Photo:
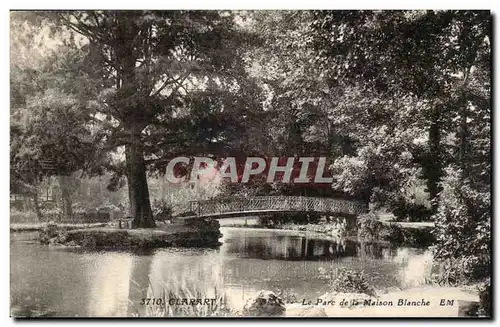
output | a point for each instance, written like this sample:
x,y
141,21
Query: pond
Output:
x,y
56,281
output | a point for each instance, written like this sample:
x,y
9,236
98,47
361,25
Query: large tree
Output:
x,y
161,83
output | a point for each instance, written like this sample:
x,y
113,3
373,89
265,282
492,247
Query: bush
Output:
x,y
296,218
485,298
462,231
50,233
416,237
187,214
17,216
460,271
162,210
287,295
265,304
344,280
409,211
369,227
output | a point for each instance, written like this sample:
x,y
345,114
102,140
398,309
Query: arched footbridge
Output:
x,y
262,205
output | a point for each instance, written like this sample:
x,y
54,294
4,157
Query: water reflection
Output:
x,y
282,246
109,279
65,282
415,268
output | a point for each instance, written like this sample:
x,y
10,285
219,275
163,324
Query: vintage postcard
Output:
x,y
250,163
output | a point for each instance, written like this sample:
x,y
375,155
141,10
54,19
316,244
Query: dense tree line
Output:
x,y
427,72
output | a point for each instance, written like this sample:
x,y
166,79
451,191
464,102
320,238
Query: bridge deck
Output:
x,y
231,207
247,213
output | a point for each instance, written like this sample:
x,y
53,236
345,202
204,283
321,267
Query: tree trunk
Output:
x,y
135,119
140,207
463,146
162,189
463,137
434,169
26,203
66,197
37,207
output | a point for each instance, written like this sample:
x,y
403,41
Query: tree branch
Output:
x,y
164,85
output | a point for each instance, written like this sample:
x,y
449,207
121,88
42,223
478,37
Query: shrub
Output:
x,y
409,211
485,298
279,219
162,210
187,214
416,237
344,280
463,231
265,304
287,295
17,216
50,233
369,227
460,271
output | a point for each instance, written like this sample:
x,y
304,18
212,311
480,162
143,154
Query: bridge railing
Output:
x,y
277,204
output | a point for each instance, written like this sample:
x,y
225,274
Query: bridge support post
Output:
x,y
303,247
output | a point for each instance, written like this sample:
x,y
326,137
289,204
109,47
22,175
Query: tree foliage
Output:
x,y
157,83
438,62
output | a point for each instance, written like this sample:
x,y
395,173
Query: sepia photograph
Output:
x,y
250,163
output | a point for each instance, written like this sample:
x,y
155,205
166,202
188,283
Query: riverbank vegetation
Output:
x,y
30,227
197,234
347,281
369,227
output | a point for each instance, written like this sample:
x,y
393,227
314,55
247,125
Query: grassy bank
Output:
x,y
32,227
178,235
